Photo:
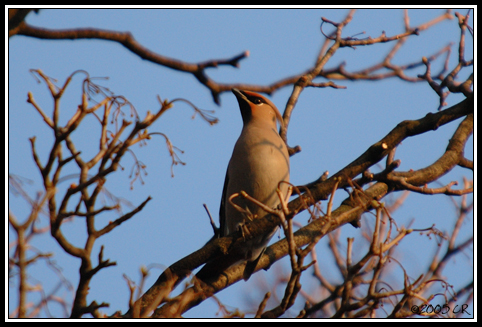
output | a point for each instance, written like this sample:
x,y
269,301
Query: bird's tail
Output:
x,y
251,266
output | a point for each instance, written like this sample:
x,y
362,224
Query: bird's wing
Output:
x,y
222,207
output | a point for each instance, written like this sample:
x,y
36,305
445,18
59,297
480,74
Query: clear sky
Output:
x,y
332,126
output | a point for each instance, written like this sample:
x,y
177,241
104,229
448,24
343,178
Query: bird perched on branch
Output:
x,y
259,166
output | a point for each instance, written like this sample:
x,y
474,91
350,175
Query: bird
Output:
x,y
259,165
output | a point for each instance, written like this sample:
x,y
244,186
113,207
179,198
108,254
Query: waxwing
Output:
x,y
259,162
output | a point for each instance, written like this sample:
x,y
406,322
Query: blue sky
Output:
x,y
332,126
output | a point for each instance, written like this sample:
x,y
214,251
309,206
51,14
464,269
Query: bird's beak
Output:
x,y
239,94
244,104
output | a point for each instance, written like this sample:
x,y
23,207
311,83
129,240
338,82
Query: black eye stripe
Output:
x,y
256,100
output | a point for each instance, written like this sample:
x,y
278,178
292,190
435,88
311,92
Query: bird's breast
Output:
x,y
260,161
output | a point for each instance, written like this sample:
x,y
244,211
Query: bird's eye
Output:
x,y
257,101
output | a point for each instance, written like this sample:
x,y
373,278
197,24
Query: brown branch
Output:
x,y
307,79
453,154
262,305
122,219
351,42
128,41
22,246
449,80
15,17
